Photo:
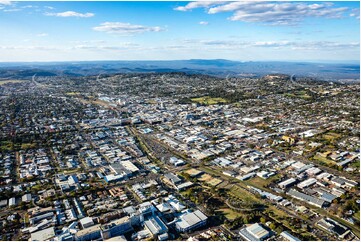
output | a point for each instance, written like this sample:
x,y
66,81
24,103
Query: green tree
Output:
x,y
263,220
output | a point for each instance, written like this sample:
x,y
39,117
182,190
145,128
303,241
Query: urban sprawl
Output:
x,y
179,157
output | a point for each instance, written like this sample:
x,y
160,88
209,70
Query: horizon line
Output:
x,y
165,60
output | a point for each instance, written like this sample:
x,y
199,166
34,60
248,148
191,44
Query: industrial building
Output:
x,y
307,198
287,183
289,237
254,232
190,221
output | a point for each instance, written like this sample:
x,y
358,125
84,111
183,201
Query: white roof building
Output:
x,y
86,222
254,232
43,235
190,221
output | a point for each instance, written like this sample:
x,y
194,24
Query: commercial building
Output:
x,y
26,197
86,222
254,232
12,201
43,235
190,221
333,227
307,198
116,227
91,233
155,226
307,183
289,237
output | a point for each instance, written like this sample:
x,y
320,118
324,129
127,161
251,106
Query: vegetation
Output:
x,y
206,100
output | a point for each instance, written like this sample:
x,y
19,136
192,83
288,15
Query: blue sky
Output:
x,y
245,31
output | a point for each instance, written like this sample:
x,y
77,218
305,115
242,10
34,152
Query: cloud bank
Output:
x,y
272,13
125,28
71,14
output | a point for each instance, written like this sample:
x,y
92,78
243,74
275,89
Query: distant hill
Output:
x,y
216,67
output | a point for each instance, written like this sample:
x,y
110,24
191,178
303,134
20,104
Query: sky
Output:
x,y
243,31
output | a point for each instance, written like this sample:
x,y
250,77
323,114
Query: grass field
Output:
x,y
193,172
260,182
72,93
214,182
224,184
324,160
28,146
210,180
331,136
229,213
243,195
301,94
205,177
356,164
209,100
2,82
6,146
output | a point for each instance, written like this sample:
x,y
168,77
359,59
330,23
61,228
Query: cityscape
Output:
x,y
137,142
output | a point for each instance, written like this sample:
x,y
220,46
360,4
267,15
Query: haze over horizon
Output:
x,y
242,31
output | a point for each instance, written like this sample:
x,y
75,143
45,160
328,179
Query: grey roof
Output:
x,y
26,197
289,236
44,234
258,231
328,197
129,210
175,179
155,225
194,218
307,198
200,215
247,235
3,203
338,180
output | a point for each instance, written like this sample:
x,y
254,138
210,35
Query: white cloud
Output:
x,y
294,45
125,28
87,42
29,6
12,10
71,14
80,47
42,35
274,13
29,47
123,46
200,4
355,13
203,23
5,2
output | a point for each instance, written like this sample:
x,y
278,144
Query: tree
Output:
x,y
272,226
263,220
245,220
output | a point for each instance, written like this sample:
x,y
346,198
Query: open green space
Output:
x,y
260,182
324,160
331,136
3,82
356,164
229,213
72,93
243,195
210,180
209,100
300,94
6,146
25,146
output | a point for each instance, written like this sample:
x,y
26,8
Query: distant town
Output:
x,y
179,156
